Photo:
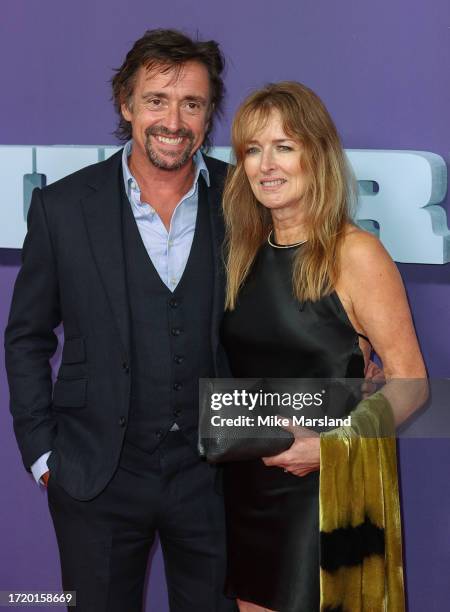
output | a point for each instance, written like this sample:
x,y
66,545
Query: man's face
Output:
x,y
169,113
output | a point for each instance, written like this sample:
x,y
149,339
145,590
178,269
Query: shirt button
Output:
x,y
176,331
177,386
173,303
178,359
122,421
133,185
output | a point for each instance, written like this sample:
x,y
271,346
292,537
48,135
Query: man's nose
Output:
x,y
173,118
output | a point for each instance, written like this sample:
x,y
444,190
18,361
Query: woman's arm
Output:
x,y
372,292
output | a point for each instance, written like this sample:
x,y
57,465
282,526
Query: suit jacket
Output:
x,y
73,271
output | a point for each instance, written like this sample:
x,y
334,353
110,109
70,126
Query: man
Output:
x,y
126,253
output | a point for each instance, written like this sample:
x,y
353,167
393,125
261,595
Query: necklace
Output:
x,y
283,246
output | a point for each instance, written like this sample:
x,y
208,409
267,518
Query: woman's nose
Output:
x,y
267,161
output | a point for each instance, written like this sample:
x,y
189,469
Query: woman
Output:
x,y
308,295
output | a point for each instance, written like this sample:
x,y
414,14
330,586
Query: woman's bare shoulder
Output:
x,y
362,250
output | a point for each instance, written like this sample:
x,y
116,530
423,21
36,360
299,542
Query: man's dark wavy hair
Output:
x,y
169,49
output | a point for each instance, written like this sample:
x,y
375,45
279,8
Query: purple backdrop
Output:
x,y
381,68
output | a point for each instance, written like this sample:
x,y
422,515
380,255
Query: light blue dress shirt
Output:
x,y
168,250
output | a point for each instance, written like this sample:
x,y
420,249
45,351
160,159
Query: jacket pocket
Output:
x,y
73,351
70,393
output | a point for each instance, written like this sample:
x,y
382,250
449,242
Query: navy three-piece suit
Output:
x,y
132,356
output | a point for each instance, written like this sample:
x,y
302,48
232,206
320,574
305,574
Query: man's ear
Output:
x,y
208,117
126,111
210,114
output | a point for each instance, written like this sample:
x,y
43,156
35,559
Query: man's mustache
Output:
x,y
161,130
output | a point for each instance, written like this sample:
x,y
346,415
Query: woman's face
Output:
x,y
272,163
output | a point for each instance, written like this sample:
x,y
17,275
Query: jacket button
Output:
x,y
177,386
158,433
178,359
126,367
174,303
176,331
122,421
177,412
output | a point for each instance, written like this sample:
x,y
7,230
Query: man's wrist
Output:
x,y
45,477
40,467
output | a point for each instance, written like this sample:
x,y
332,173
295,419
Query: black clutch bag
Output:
x,y
222,448
246,438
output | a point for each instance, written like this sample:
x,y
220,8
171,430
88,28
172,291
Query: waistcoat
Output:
x,y
170,334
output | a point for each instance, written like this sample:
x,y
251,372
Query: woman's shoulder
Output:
x,y
361,247
363,256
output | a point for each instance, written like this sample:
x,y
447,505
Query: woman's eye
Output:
x,y
251,150
284,148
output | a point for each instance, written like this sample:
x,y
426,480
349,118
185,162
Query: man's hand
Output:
x,y
374,373
302,457
373,378
45,478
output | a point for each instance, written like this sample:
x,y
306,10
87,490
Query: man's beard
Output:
x,y
180,158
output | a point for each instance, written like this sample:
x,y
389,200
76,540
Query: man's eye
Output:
x,y
193,106
155,102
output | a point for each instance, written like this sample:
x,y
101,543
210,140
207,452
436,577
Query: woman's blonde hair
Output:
x,y
325,202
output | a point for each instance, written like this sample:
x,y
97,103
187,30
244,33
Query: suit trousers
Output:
x,y
104,543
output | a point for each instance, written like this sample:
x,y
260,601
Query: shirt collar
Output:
x,y
199,163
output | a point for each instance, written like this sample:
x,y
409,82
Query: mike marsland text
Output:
x,y
278,421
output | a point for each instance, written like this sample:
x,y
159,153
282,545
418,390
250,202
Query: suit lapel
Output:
x,y
214,198
102,209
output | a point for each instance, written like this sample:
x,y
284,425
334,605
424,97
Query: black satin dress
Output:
x,y
273,516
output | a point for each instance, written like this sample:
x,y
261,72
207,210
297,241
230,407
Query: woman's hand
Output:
x,y
302,457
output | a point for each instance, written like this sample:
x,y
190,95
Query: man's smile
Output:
x,y
169,140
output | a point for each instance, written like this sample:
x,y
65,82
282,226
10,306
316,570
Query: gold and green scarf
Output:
x,y
360,530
